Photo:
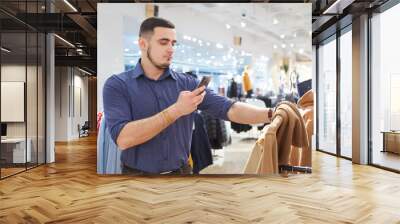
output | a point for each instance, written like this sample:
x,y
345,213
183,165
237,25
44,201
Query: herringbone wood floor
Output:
x,y
70,191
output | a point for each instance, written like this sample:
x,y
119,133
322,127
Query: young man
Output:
x,y
149,110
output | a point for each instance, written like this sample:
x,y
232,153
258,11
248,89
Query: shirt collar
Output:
x,y
138,71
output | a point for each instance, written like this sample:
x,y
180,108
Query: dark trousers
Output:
x,y
185,169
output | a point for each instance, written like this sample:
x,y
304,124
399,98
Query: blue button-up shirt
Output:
x,y
131,96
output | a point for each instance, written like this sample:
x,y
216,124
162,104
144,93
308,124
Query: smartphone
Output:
x,y
204,81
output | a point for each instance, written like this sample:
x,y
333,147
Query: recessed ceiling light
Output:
x,y
292,45
220,46
126,49
283,45
282,36
301,50
275,47
275,21
227,26
71,6
5,50
208,43
243,24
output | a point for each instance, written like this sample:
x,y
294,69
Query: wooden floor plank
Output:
x,y
70,191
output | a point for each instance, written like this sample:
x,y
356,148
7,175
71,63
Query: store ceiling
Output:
x,y
281,27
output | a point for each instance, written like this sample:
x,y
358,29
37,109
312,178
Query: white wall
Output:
x,y
68,81
109,26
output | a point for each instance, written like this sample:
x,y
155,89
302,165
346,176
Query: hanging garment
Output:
x,y
200,149
306,105
108,154
232,91
216,131
285,134
240,127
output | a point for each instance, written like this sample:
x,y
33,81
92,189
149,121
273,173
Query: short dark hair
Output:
x,y
149,24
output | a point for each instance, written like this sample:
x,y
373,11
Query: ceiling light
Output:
x,y
282,36
5,50
208,43
294,35
283,45
337,7
212,57
183,51
227,26
86,72
198,55
194,39
126,49
188,38
301,50
275,21
275,47
292,45
70,5
243,24
220,46
65,41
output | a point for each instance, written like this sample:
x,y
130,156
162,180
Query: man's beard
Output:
x,y
159,66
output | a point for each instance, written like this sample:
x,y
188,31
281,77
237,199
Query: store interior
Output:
x,y
247,61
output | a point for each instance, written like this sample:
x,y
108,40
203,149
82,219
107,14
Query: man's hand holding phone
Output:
x,y
189,100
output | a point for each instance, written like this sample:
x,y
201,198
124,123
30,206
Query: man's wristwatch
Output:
x,y
270,113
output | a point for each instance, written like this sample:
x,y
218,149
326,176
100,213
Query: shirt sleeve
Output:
x,y
117,111
214,104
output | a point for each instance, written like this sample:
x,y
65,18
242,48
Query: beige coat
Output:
x,y
306,105
285,133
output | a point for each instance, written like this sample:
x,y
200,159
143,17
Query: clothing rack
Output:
x,y
302,169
